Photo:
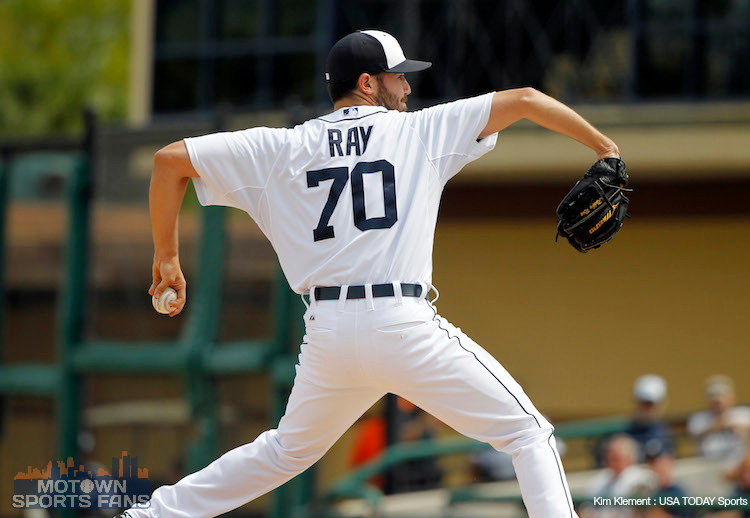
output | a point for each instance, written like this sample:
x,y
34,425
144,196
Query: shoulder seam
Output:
x,y
426,151
278,157
264,195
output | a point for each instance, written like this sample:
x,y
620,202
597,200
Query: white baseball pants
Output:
x,y
354,352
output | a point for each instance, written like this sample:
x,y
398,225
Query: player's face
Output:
x,y
393,89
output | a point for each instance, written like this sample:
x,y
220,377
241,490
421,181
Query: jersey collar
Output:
x,y
352,113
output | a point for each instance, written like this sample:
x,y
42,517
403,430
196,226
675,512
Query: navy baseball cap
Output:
x,y
368,51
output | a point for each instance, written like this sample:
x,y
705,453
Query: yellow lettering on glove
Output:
x,y
604,219
591,207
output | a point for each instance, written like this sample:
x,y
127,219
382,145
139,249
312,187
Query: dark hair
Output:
x,y
341,89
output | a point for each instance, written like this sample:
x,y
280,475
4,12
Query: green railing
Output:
x,y
354,484
192,355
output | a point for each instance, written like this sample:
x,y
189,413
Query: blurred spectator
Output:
x,y
660,460
416,425
413,424
647,427
649,394
722,430
369,442
490,465
622,477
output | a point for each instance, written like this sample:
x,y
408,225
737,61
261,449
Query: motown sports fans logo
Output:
x,y
61,486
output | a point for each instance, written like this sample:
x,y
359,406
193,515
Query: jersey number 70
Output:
x,y
340,175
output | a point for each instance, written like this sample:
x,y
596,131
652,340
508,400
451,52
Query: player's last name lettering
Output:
x,y
356,141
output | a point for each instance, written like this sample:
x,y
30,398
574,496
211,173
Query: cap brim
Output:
x,y
410,65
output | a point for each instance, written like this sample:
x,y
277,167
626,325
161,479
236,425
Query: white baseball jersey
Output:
x,y
348,198
352,198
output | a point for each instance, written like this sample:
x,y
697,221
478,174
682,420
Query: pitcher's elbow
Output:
x,y
164,156
174,159
527,96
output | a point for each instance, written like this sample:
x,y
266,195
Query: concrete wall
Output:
x,y
666,296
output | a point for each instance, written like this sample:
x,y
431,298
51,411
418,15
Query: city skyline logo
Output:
x,y
61,486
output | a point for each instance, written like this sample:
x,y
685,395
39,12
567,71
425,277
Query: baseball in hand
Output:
x,y
161,304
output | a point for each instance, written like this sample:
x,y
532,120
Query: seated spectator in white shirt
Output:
x,y
721,431
621,478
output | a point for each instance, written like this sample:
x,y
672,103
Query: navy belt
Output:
x,y
358,292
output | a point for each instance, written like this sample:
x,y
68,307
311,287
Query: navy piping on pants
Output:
x,y
559,468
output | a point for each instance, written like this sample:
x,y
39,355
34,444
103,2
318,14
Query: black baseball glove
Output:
x,y
594,209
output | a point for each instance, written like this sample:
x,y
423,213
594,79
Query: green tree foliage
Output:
x,y
56,58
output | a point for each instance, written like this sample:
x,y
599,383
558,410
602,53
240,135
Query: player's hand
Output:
x,y
168,274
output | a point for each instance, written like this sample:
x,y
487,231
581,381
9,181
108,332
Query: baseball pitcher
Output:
x,y
349,202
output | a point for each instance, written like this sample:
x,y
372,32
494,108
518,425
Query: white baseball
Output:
x,y
162,304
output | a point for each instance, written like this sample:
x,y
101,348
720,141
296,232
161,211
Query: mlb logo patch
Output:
x,y
350,111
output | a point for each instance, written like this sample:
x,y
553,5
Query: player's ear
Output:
x,y
366,84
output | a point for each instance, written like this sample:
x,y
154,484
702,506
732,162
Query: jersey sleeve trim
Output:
x,y
478,150
487,142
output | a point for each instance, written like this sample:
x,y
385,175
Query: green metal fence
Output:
x,y
354,484
192,355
